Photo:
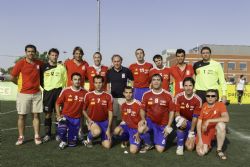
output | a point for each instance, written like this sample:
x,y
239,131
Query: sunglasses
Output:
x,y
211,96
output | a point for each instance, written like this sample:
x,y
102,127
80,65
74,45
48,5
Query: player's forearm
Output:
x,y
221,119
110,119
142,114
58,112
171,118
194,123
199,129
85,115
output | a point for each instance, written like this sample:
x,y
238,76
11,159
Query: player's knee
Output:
x,y
133,150
118,130
106,144
142,129
189,147
21,117
95,132
160,149
36,116
221,127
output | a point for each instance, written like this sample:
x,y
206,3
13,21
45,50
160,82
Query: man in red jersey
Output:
x,y
131,115
140,71
26,74
77,64
162,70
98,111
159,107
72,100
180,71
97,69
212,123
188,106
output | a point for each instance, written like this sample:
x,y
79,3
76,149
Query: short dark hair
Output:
x,y
75,74
97,53
141,50
30,46
78,48
53,50
206,48
188,79
179,51
156,75
241,76
157,57
128,87
98,77
116,55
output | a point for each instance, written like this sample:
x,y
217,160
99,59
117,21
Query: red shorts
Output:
x,y
208,136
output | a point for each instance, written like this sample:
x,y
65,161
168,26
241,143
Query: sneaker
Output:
x,y
124,144
20,140
58,139
80,136
62,145
146,148
179,150
38,140
87,143
46,138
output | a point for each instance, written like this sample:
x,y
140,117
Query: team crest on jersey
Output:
x,y
163,102
133,113
104,102
69,99
150,102
165,76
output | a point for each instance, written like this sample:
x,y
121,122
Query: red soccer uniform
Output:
x,y
28,76
91,72
98,105
179,76
165,73
72,102
141,74
158,106
188,107
131,113
72,67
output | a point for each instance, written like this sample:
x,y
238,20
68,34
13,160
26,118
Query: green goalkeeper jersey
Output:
x,y
209,76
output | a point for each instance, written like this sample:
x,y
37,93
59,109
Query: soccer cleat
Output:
x,y
124,144
62,145
58,139
46,138
146,148
20,140
87,143
38,140
179,150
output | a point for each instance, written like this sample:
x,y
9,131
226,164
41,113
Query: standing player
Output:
x,y
159,107
131,115
97,69
98,111
240,88
162,70
180,71
209,75
140,71
53,79
72,100
212,122
77,64
188,106
29,98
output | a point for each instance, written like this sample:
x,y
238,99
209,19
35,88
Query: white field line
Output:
x,y
239,134
3,113
30,126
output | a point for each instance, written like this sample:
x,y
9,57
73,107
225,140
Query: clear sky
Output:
x,y
125,25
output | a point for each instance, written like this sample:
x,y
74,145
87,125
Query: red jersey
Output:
x,y
131,113
98,105
72,102
141,74
158,105
72,67
165,73
28,76
179,76
212,112
91,72
188,107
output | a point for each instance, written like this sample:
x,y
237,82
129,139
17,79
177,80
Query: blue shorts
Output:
x,y
157,131
130,132
104,126
138,93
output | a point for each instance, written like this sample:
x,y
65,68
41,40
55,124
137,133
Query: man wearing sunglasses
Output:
x,y
211,125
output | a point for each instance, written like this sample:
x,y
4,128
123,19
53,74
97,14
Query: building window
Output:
x,y
231,66
243,66
222,64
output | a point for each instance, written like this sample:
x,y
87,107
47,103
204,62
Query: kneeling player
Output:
x,y
212,123
98,111
131,111
159,107
188,107
72,100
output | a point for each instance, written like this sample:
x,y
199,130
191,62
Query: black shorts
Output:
x,y
49,99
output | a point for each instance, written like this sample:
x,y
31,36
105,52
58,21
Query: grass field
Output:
x,y
48,155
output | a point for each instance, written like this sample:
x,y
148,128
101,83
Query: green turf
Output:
x,y
48,155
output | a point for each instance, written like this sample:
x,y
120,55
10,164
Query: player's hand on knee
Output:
x,y
89,123
167,130
137,138
180,122
190,142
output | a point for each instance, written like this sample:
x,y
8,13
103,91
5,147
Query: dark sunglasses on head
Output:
x,y
210,95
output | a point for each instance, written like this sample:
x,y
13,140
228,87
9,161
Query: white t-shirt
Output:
x,y
241,84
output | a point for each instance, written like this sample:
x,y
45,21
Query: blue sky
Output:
x,y
125,25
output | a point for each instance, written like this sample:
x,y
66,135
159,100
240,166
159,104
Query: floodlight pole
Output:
x,y
98,25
